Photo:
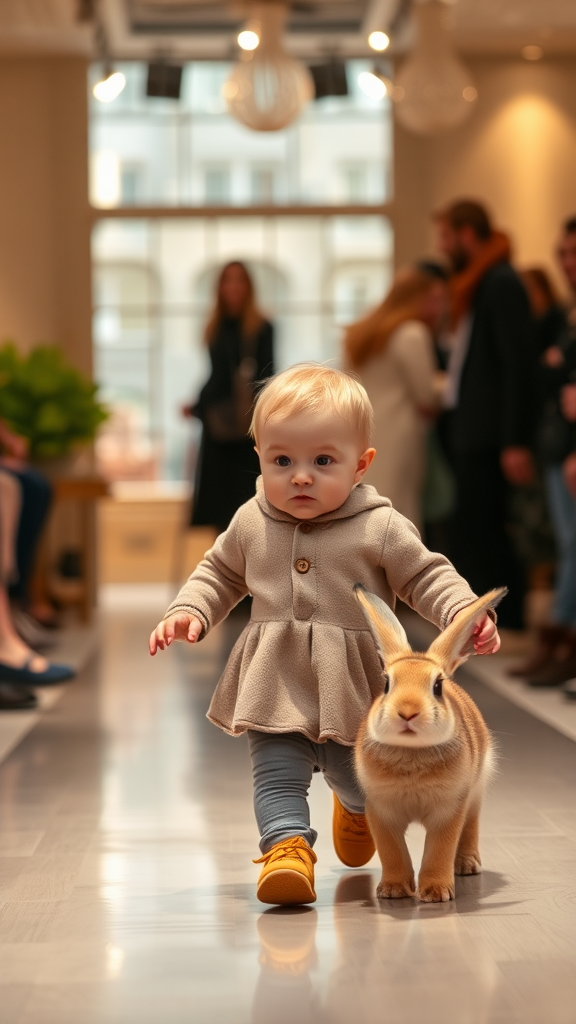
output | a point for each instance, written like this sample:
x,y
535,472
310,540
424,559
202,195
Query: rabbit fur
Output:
x,y
424,753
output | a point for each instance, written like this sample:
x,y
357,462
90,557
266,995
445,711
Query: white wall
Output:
x,y
517,153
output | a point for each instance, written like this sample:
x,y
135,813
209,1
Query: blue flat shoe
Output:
x,y
24,676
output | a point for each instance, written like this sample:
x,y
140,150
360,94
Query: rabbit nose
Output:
x,y
408,718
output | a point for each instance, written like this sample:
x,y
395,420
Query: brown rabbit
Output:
x,y
424,754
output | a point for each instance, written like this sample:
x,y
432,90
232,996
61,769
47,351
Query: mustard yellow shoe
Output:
x,y
287,877
352,837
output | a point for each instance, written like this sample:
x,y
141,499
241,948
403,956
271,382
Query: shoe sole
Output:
x,y
285,888
350,863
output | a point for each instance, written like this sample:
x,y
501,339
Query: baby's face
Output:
x,y
310,463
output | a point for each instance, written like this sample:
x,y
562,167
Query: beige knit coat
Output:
x,y
306,662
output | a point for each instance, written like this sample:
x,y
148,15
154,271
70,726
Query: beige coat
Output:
x,y
306,662
400,382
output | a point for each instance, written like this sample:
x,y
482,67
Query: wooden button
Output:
x,y
306,528
302,565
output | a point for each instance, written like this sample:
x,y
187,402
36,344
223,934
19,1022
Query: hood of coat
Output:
x,y
361,499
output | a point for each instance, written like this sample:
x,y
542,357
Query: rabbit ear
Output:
x,y
454,646
389,633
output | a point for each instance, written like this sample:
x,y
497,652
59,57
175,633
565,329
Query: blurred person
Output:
x,y
36,497
20,667
561,480
553,660
392,351
240,344
490,398
548,312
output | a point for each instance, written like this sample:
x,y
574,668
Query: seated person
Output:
x,y
20,667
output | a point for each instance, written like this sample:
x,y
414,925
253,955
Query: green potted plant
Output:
x,y
47,401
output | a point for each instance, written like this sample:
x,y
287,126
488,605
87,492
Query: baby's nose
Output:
x,y
302,476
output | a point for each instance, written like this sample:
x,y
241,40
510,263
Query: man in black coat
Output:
x,y
491,399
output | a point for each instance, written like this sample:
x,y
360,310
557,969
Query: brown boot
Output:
x,y
549,639
561,667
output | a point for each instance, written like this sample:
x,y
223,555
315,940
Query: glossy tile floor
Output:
x,y
127,888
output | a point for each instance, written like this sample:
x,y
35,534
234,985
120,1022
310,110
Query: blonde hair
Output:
x,y
251,317
311,387
368,337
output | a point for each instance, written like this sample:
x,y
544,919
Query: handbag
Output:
x,y
229,419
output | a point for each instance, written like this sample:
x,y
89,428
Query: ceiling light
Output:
x,y
248,39
437,90
532,52
379,41
110,86
373,85
267,88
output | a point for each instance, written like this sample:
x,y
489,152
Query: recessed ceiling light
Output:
x,y
379,41
532,52
248,40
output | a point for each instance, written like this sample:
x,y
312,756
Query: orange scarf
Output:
x,y
463,286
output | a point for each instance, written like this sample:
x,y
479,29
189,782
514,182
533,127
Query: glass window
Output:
x,y
190,152
131,184
153,287
217,185
263,185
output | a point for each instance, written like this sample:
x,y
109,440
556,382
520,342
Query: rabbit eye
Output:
x,y
386,684
437,688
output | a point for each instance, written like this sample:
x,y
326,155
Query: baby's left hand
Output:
x,y
485,636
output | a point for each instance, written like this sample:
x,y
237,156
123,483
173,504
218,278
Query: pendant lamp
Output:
x,y
433,89
267,88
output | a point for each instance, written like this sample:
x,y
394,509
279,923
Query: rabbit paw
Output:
x,y
436,892
467,864
395,890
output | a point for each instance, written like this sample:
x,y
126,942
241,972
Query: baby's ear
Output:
x,y
388,631
364,463
451,647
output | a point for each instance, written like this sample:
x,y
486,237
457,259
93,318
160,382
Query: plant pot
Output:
x,y
77,463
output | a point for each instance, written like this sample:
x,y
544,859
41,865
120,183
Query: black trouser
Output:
x,y
36,497
480,546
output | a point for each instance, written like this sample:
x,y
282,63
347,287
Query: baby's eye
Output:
x,y
282,460
324,460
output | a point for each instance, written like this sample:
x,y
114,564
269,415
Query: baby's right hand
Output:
x,y
178,626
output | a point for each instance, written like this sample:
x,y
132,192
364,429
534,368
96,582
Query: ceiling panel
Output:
x,y
337,16
186,29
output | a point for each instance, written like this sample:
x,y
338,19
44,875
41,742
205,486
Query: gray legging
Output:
x,y
282,768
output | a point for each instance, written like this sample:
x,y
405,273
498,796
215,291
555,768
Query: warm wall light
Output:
x,y
379,41
248,39
110,86
532,52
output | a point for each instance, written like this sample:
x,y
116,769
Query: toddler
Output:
x,y
306,669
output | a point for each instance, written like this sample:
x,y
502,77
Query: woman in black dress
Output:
x,y
240,343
